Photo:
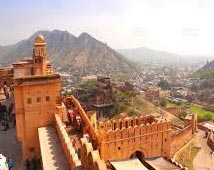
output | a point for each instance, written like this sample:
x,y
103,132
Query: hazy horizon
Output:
x,y
180,27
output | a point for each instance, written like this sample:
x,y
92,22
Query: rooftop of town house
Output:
x,y
208,125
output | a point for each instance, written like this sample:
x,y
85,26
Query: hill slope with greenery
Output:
x,y
206,72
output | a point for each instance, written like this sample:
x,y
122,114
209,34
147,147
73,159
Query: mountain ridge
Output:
x,y
82,55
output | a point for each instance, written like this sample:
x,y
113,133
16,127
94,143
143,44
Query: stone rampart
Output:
x,y
125,123
90,158
79,110
67,146
181,138
173,110
151,140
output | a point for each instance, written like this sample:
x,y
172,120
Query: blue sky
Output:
x,y
179,26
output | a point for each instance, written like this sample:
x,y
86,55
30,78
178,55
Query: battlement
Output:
x,y
126,122
135,132
90,158
150,139
67,146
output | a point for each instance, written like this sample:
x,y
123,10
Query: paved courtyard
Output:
x,y
11,148
9,145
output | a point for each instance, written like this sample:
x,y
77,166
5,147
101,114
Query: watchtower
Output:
x,y
39,56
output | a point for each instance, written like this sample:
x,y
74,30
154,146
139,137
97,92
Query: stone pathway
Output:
x,y
203,160
53,156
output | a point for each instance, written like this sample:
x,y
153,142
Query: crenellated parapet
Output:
x,y
90,158
151,140
127,137
67,146
126,122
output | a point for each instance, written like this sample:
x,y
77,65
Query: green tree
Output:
x,y
163,84
88,84
163,102
84,97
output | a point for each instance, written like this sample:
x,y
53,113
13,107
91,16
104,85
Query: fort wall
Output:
x,y
90,158
126,122
126,137
173,110
79,110
67,146
180,138
151,140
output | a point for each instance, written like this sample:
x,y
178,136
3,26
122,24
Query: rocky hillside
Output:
x,y
206,72
83,55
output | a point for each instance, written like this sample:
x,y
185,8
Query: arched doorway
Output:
x,y
138,154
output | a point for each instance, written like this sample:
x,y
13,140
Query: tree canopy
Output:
x,y
163,84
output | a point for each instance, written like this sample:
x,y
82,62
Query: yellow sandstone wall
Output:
x,y
80,111
35,107
67,146
152,140
91,158
180,138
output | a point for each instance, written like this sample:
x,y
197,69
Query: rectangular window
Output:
x,y
47,98
29,100
38,99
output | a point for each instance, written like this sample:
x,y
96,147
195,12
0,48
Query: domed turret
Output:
x,y
40,40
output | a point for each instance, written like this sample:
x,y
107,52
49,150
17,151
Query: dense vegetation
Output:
x,y
203,115
136,106
162,102
205,74
163,84
87,86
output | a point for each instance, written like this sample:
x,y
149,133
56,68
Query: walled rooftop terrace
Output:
x,y
37,78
